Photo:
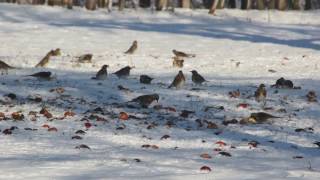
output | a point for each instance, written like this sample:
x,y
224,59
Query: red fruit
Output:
x,y
242,105
87,125
221,143
46,126
123,116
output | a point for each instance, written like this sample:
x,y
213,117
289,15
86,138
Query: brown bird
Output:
x,y
146,100
144,79
182,54
44,62
177,62
178,81
283,83
44,75
86,58
261,117
4,67
56,52
261,93
197,78
124,72
102,73
133,48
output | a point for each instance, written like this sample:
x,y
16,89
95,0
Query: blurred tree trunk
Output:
x,y
162,4
109,4
271,4
246,4
260,4
55,2
221,4
297,4
282,5
186,4
121,4
213,7
91,4
101,3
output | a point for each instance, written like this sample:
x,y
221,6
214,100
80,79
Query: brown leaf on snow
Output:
x,y
17,116
253,144
53,129
46,126
221,143
7,132
76,137
223,153
205,156
186,113
165,137
205,168
297,157
82,146
46,113
80,132
234,94
69,113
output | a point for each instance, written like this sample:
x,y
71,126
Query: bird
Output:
x,y
317,143
182,54
4,67
177,62
197,78
283,83
56,52
133,48
43,75
44,61
86,58
261,117
144,79
124,72
145,100
102,73
261,93
178,81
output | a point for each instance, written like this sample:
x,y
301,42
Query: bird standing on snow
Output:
x,y
124,72
261,93
102,73
4,67
133,48
261,117
146,100
44,75
182,54
86,58
178,81
197,78
144,79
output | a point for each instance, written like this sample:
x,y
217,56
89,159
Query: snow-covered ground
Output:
x,y
234,50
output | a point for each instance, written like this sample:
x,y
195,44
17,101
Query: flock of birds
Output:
x,y
178,81
144,100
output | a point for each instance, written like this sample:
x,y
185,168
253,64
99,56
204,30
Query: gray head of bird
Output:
x,y
262,86
156,97
105,66
194,72
174,51
180,72
135,42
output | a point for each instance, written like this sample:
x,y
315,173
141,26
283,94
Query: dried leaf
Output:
x,y
205,168
46,126
221,143
165,137
69,113
76,137
82,146
7,132
223,153
80,132
53,129
17,116
205,156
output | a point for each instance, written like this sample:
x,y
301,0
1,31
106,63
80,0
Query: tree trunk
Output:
x,y
91,4
109,5
272,4
297,4
282,5
162,4
260,4
121,4
213,6
101,3
221,4
186,4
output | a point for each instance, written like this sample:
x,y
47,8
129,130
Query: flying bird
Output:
x,y
124,72
182,54
133,48
178,81
102,73
197,78
144,79
145,100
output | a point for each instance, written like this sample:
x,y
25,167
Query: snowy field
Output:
x,y
234,50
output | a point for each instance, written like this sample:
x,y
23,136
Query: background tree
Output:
x,y
91,4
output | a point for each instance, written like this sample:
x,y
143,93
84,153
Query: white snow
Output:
x,y
289,43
